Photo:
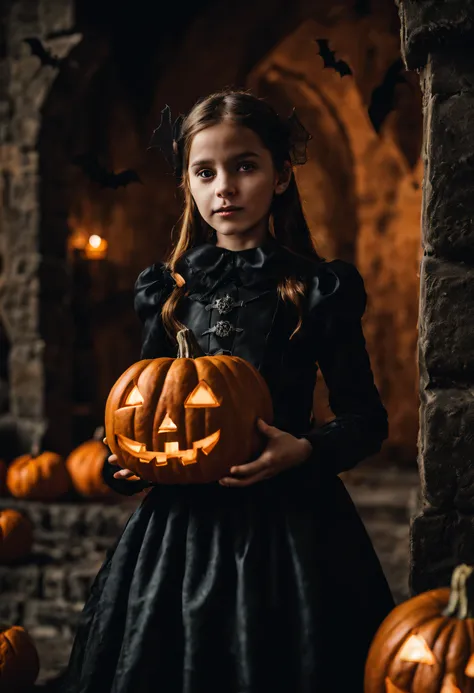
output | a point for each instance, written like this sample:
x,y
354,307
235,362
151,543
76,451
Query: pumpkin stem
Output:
x,y
188,346
35,448
459,605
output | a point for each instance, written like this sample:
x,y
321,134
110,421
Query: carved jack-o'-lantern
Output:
x,y
426,643
189,419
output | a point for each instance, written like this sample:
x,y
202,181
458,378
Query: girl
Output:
x,y
265,582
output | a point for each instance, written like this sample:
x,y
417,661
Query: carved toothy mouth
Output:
x,y
172,450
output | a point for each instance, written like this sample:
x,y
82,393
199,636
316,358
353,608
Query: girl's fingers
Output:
x,y
112,459
248,481
123,474
261,464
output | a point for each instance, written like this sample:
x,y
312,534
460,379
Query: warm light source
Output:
x,y
96,247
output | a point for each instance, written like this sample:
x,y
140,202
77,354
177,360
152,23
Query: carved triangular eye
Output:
x,y
134,398
415,649
201,396
391,688
469,670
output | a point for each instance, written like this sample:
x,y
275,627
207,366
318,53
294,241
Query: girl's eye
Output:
x,y
204,171
247,166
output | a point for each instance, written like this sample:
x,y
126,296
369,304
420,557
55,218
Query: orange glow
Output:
x,y
134,398
96,247
167,425
449,684
469,670
202,396
415,649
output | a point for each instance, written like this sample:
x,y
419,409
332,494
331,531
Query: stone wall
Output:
x,y
437,40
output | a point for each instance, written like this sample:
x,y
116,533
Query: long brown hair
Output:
x,y
287,221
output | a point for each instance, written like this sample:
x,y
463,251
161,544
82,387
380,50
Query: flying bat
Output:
x,y
45,56
90,166
383,97
329,58
164,137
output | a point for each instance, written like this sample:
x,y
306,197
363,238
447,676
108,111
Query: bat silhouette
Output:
x,y
383,97
165,136
90,166
329,58
42,53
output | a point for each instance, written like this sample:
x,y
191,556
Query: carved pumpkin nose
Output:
x,y
167,425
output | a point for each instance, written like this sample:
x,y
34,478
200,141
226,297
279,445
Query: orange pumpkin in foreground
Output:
x,y
426,644
189,419
19,661
38,477
16,536
85,465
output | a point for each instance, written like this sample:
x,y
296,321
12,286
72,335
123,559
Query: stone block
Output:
x,y
51,613
447,449
21,580
11,609
446,338
54,581
429,26
80,579
449,73
439,543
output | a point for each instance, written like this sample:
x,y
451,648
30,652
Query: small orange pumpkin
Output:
x,y
19,661
16,536
187,420
85,465
426,643
38,476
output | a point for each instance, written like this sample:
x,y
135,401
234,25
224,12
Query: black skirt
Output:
x,y
274,588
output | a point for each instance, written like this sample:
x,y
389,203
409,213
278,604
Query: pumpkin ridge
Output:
x,y
381,637
439,645
234,393
390,665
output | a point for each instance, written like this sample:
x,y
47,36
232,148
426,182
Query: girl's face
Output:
x,y
233,180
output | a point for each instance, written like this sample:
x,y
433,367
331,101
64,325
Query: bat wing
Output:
x,y
343,68
124,178
383,97
40,51
162,137
326,53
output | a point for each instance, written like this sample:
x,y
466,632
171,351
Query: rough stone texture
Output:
x,y
46,592
431,26
434,36
35,343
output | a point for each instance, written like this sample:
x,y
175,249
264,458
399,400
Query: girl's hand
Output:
x,y
122,473
282,452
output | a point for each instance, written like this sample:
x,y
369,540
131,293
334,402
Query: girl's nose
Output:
x,y
225,186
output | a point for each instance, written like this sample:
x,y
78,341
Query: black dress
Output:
x,y
272,588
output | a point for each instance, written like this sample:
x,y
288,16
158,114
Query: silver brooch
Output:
x,y
223,328
224,304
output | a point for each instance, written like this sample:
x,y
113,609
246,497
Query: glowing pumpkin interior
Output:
x,y
415,649
202,397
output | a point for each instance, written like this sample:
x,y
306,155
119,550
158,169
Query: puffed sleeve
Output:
x,y
360,425
152,288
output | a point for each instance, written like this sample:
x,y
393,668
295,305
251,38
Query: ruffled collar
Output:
x,y
206,267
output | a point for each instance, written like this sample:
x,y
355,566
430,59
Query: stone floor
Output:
x,y
46,593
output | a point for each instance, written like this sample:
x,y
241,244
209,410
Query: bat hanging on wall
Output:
x,y
329,58
45,56
93,169
382,101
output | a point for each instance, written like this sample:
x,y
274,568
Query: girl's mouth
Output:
x,y
228,212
